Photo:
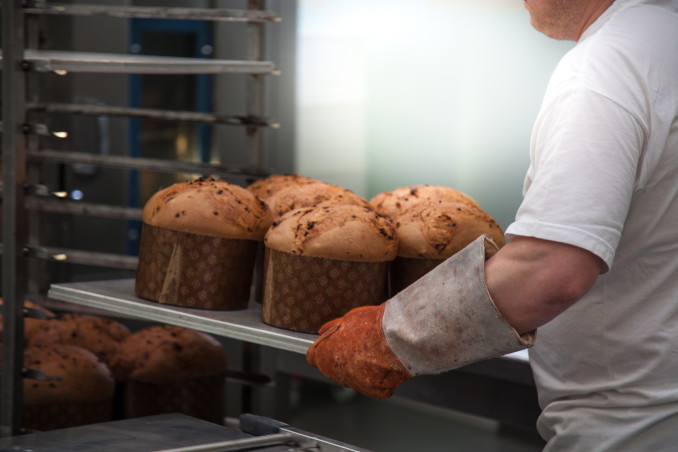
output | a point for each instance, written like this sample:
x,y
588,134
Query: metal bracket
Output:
x,y
35,374
33,313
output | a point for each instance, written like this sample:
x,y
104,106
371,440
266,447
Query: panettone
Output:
x,y
431,233
312,194
198,244
323,261
209,207
171,369
79,389
395,202
168,354
99,335
267,187
440,230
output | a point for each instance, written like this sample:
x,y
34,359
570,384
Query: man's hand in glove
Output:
x,y
444,320
352,351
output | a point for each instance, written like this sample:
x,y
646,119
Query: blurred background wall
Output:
x,y
393,93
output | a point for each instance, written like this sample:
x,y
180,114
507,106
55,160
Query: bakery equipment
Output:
x,y
28,195
36,85
177,433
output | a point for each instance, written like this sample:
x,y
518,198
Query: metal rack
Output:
x,y
23,194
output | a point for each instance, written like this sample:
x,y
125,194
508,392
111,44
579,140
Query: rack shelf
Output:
x,y
213,14
118,296
110,63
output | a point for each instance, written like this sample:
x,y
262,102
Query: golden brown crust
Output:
x,y
84,379
440,230
209,207
99,335
398,201
265,188
312,194
168,354
349,233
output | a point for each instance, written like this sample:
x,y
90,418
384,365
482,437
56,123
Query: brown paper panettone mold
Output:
x,y
198,244
404,271
322,262
301,293
192,270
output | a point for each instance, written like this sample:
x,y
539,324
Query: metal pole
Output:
x,y
255,84
13,218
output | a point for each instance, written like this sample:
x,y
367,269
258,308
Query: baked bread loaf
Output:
x,y
209,207
99,335
198,245
339,232
165,369
322,262
431,233
265,188
439,230
312,194
393,203
80,389
168,354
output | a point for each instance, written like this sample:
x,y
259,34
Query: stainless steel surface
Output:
x,y
230,15
73,256
148,434
118,296
238,444
319,443
139,163
148,113
82,208
57,61
255,83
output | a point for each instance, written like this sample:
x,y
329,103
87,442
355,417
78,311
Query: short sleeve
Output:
x,y
585,153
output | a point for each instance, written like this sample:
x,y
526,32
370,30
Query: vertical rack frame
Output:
x,y
22,160
14,271
255,85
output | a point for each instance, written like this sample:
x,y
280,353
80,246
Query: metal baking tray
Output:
x,y
118,296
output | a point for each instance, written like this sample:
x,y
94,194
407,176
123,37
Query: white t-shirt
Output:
x,y
604,177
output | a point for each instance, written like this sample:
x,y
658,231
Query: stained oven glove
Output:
x,y
444,320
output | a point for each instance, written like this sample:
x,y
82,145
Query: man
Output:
x,y
593,256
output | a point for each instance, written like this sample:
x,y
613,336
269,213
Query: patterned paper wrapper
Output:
x,y
193,270
64,415
404,271
202,398
301,293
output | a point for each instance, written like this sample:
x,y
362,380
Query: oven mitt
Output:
x,y
444,320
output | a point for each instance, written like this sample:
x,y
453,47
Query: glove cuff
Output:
x,y
447,319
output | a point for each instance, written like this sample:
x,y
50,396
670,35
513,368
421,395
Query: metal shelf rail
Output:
x,y
21,155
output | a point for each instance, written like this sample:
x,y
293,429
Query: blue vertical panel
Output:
x,y
146,39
